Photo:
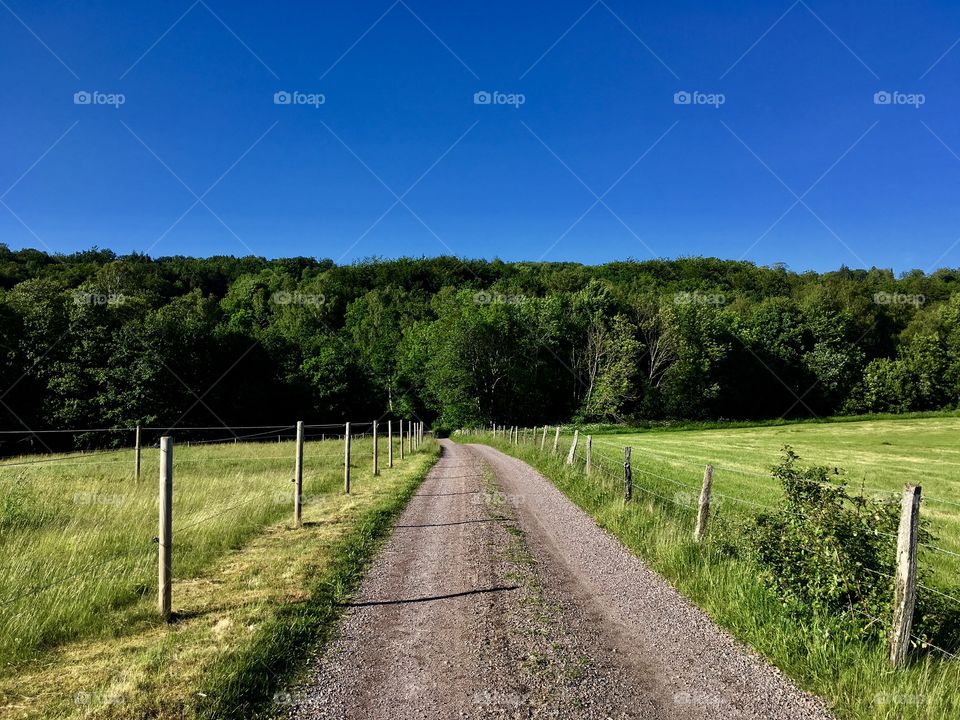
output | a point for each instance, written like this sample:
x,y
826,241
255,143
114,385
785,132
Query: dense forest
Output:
x,y
96,340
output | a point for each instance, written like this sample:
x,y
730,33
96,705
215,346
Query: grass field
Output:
x,y
79,630
852,674
877,456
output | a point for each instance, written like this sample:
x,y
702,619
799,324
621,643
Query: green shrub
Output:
x,y
829,553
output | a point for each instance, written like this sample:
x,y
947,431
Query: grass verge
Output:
x,y
243,624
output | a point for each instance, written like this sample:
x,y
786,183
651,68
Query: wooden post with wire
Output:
x,y
136,455
556,441
376,451
389,443
401,439
543,441
627,476
298,477
589,468
346,459
905,585
703,507
573,447
165,536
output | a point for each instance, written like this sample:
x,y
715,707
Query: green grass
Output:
x,y
878,457
250,593
850,673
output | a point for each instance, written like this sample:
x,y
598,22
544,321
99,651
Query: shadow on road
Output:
x,y
430,598
462,522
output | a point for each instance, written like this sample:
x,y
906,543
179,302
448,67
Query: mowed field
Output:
x,y
79,628
876,456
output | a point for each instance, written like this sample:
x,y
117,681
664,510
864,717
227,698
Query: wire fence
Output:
x,y
80,529
669,479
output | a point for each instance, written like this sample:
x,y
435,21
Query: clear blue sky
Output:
x,y
877,183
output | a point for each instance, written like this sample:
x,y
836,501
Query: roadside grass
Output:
x,y
251,595
822,656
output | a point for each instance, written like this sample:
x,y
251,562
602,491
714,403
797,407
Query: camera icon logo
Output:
x,y
282,97
682,98
882,97
82,97
482,98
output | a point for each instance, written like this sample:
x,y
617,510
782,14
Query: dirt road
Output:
x,y
496,597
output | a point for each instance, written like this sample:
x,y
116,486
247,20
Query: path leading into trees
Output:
x,y
497,597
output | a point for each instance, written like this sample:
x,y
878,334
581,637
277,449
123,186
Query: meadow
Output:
x,y
877,457
851,673
79,630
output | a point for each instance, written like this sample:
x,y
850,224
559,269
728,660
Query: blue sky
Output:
x,y
783,156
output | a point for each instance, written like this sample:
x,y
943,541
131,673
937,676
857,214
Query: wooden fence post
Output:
x,y
589,454
556,441
401,439
346,460
389,443
703,509
136,456
905,587
543,441
376,451
298,477
627,476
165,538
573,447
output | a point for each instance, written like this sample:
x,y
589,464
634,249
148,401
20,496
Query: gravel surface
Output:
x,y
496,597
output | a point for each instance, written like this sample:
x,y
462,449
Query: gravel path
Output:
x,y
496,597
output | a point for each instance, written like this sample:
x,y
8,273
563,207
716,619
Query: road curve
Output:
x,y
497,597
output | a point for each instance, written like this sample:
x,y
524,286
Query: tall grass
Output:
x,y
77,549
852,674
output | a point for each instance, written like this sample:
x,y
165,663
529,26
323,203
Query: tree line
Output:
x,y
93,339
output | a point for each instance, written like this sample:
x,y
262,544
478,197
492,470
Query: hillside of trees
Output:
x,y
94,339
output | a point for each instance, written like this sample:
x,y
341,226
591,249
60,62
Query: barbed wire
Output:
x,y
939,549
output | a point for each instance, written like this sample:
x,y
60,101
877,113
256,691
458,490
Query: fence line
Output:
x,y
904,582
328,453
